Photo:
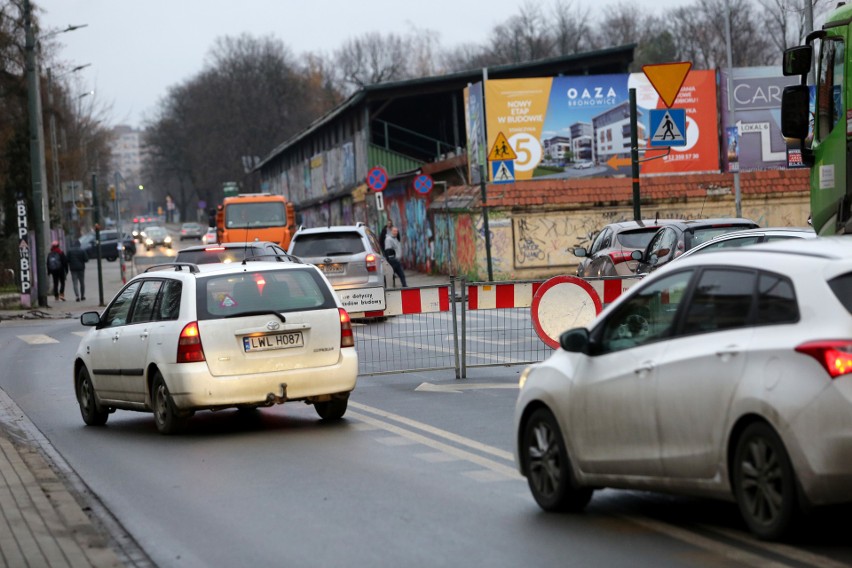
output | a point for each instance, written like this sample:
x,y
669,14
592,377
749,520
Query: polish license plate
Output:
x,y
273,341
335,268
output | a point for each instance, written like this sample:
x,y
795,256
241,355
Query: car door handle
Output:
x,y
726,353
644,368
115,337
144,335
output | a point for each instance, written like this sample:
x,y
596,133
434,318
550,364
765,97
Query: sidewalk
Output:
x,y
42,523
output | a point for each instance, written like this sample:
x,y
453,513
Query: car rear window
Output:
x,y
213,255
638,238
328,244
299,289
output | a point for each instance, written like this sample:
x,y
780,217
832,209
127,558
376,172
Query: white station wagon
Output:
x,y
182,337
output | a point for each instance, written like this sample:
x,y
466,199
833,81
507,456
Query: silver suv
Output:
x,y
351,258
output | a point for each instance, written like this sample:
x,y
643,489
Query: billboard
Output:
x,y
570,127
474,117
751,118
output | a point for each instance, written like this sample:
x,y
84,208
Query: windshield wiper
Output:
x,y
257,313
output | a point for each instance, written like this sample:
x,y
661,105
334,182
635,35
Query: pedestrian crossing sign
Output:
x,y
668,127
502,171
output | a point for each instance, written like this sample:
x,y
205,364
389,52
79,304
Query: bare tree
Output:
x,y
373,58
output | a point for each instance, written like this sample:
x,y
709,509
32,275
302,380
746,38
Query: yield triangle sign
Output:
x,y
667,78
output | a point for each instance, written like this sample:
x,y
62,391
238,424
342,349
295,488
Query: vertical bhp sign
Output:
x,y
24,250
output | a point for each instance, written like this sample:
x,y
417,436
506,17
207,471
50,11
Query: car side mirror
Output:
x,y
580,251
637,255
90,318
575,340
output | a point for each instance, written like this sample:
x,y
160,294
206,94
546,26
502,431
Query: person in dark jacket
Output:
x,y
77,259
57,267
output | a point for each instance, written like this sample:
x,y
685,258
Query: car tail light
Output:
x,y
190,349
372,262
346,337
620,256
834,356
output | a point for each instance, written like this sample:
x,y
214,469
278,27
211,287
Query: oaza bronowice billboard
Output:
x,y
571,127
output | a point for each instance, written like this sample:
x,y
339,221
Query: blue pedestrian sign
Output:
x,y
502,171
668,127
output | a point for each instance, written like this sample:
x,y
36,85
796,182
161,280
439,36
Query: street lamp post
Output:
x,y
38,170
54,146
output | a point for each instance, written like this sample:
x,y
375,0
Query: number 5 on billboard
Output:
x,y
528,149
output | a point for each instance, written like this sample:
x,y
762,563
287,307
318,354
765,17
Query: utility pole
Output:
x,y
732,105
38,170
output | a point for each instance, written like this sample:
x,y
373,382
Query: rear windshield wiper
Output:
x,y
257,313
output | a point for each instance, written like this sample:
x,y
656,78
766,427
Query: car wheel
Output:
x,y
167,417
764,482
333,409
547,466
91,410
112,258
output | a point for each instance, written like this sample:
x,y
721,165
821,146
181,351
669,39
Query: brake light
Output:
x,y
346,337
214,249
620,256
834,356
372,262
190,349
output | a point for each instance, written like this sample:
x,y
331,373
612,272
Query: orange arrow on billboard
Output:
x,y
615,162
667,79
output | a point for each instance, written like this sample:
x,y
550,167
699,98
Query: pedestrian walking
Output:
x,y
383,234
393,252
57,266
77,259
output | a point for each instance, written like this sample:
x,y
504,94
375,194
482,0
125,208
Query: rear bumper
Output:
x,y
193,387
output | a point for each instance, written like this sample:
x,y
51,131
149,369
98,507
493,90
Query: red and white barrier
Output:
x,y
412,301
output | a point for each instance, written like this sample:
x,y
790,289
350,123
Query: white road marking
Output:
x,y
458,388
38,339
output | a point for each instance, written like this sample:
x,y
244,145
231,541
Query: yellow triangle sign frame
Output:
x,y
501,150
667,79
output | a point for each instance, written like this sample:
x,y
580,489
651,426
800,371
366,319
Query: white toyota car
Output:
x,y
182,337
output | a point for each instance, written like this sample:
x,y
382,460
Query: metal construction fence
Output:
x,y
457,326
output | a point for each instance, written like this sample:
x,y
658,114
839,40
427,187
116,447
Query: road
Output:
x,y
420,473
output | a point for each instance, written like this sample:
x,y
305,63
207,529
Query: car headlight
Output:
x,y
149,242
168,239
524,374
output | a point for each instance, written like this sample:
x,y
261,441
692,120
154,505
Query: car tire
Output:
x,y
112,258
547,466
90,409
166,415
333,409
765,483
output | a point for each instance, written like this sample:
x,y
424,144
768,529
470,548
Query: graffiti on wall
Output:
x,y
543,241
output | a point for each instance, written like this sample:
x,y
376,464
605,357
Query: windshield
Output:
x,y
255,215
328,244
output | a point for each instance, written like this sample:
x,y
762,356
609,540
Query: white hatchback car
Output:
x,y
182,337
726,375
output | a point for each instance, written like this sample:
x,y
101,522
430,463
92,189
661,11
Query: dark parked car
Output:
x,y
109,245
675,239
611,250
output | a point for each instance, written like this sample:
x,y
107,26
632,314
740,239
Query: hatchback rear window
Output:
x,y
328,244
637,239
278,290
842,288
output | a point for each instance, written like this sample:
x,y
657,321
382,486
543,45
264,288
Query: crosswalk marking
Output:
x,y
39,339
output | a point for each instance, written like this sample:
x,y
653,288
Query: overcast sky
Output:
x,y
137,49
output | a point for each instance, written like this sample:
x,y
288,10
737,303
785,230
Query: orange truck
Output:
x,y
256,217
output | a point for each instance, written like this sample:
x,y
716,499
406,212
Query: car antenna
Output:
x,y
245,244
